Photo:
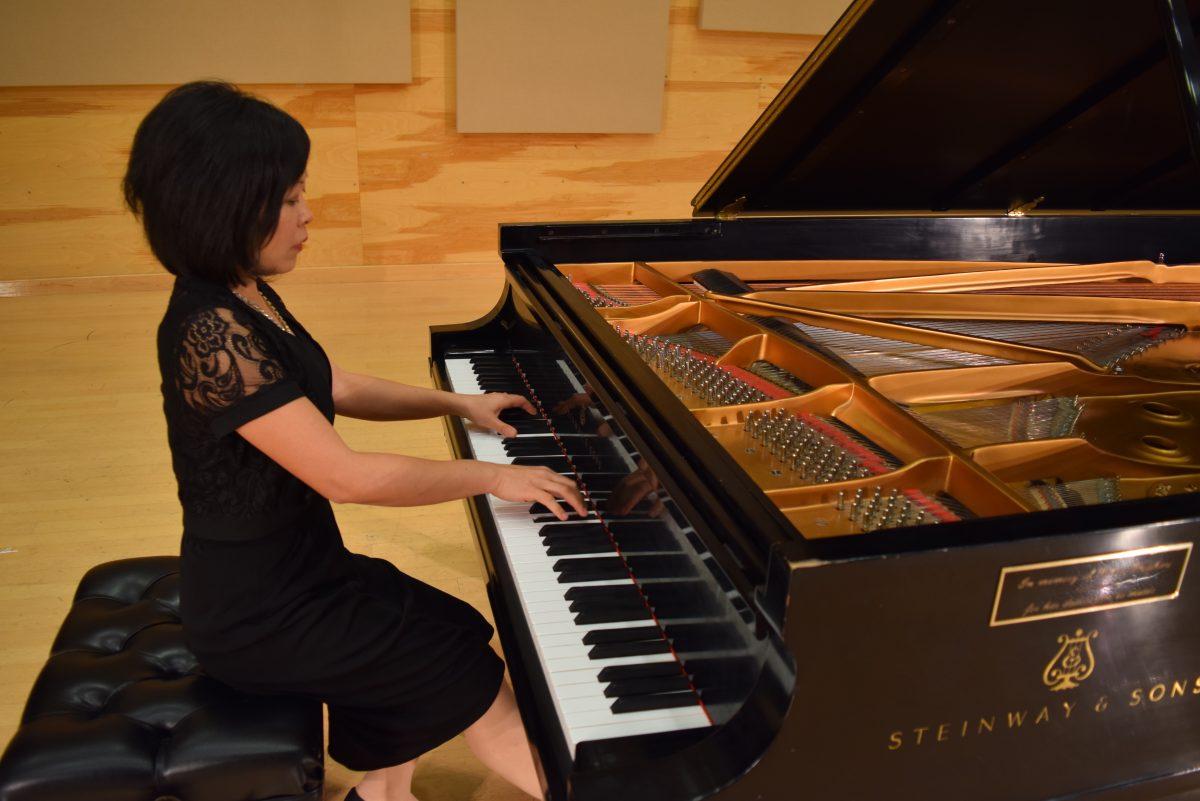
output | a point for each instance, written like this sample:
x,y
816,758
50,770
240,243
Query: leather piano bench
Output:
x,y
122,712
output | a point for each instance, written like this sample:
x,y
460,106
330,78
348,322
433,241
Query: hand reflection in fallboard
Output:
x,y
640,485
633,489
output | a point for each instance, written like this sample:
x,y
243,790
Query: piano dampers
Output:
x,y
726,283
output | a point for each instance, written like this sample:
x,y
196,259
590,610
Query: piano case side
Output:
x,y
1060,666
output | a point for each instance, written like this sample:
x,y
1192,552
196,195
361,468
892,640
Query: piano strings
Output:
x,y
1063,494
870,355
1132,289
607,296
1106,344
971,425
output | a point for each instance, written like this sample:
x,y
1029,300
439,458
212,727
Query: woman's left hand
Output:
x,y
484,410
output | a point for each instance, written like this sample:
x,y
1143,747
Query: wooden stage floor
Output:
x,y
85,475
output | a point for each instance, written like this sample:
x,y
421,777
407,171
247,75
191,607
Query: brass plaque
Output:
x,y
1089,584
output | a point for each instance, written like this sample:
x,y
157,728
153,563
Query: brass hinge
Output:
x,y
1020,209
731,211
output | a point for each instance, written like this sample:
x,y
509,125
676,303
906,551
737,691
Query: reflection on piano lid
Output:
x,y
814,444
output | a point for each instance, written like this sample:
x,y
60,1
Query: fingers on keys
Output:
x,y
560,486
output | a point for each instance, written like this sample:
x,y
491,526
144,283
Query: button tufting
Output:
x,y
120,705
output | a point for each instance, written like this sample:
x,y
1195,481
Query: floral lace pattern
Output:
x,y
222,361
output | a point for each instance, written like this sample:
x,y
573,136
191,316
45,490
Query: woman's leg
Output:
x,y
388,784
498,740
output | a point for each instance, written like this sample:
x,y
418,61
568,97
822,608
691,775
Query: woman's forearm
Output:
x,y
369,398
386,479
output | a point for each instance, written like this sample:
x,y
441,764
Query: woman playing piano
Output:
x,y
271,599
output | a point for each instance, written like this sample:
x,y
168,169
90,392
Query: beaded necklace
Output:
x,y
273,315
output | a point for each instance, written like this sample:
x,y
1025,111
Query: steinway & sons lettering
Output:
x,y
1149,696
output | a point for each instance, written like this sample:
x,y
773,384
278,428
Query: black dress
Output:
x,y
271,600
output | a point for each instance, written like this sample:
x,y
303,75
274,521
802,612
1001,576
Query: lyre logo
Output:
x,y
1073,663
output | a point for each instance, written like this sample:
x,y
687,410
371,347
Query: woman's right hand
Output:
x,y
537,485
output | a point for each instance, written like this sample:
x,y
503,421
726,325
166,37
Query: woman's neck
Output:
x,y
247,284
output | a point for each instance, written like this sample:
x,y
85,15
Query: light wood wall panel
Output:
x,y
391,180
84,42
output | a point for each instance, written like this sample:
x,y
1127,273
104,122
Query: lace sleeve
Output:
x,y
229,373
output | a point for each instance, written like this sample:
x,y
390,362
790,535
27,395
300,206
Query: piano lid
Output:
x,y
982,106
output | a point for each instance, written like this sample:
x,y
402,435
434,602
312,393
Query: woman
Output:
x,y
271,600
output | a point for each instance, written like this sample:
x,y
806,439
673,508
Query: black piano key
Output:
x,y
641,510
529,425
563,424
584,575
593,604
616,614
576,533
573,565
558,464
549,446
578,464
594,574
569,537
596,481
647,686
587,568
622,672
609,592
612,650
631,634
642,703
660,566
572,517
635,544
578,549
582,527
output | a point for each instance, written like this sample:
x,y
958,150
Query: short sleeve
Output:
x,y
228,372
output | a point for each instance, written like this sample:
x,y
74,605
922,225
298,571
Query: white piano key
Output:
x,y
631,723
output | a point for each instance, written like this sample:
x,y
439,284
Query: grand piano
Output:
x,y
892,452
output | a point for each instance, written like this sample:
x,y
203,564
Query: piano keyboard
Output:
x,y
611,670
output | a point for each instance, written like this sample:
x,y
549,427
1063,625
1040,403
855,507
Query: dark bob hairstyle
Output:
x,y
207,174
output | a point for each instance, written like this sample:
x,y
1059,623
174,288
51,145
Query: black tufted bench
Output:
x,y
122,712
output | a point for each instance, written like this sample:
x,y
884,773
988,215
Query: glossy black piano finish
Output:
x,y
894,664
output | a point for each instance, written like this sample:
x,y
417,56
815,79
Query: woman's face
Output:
x,y
279,254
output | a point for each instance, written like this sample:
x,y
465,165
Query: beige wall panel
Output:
x,y
771,16
561,66
391,181
83,42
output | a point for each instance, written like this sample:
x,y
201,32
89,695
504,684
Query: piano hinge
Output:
x,y
1019,209
731,211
